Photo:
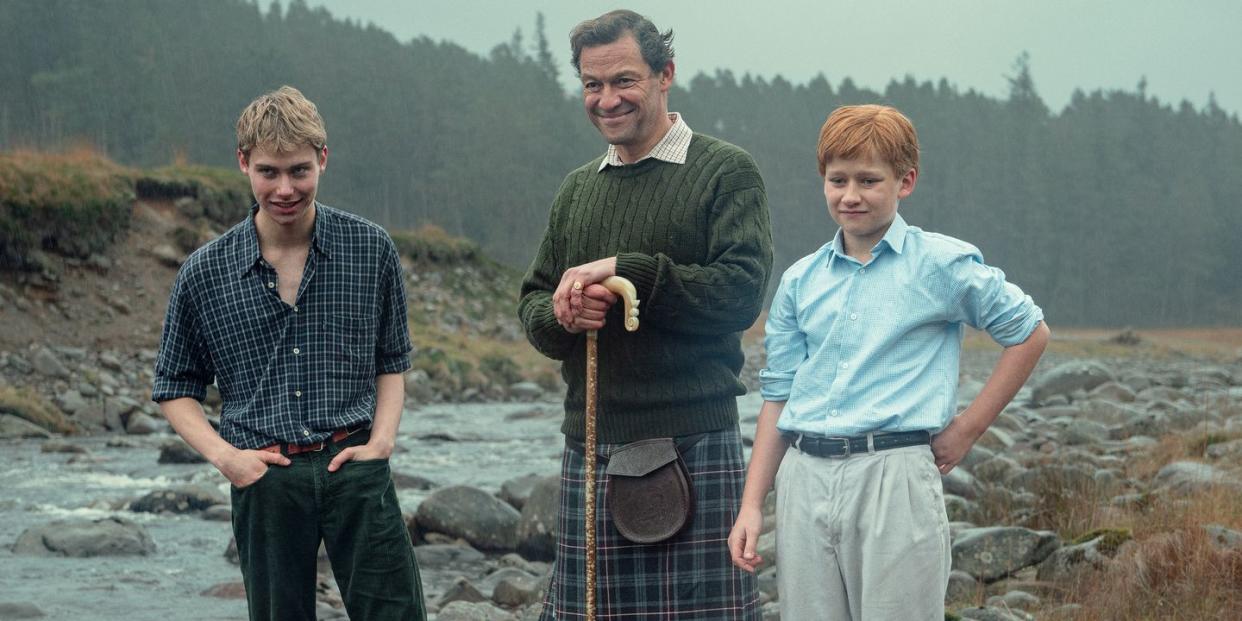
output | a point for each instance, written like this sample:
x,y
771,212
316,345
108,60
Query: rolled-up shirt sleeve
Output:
x,y
784,342
392,345
989,302
183,367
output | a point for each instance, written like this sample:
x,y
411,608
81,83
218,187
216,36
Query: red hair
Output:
x,y
869,130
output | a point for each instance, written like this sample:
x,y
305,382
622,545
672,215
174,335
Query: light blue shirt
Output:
x,y
855,348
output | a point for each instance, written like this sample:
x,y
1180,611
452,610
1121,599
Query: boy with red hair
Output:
x,y
863,343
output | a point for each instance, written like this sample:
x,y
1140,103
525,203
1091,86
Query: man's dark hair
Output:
x,y
657,48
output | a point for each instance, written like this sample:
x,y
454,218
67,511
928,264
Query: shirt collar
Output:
x,y
248,253
894,237
672,148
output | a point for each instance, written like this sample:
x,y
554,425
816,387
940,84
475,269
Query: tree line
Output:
x,y
1116,210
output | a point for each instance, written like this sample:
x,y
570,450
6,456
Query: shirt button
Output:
x,y
853,316
845,365
862,270
306,432
834,412
270,284
295,308
297,393
296,350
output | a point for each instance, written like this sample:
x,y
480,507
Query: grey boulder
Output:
x,y
995,552
1068,378
480,518
538,527
85,539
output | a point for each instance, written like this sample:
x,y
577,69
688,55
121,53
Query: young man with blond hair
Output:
x,y
298,315
858,423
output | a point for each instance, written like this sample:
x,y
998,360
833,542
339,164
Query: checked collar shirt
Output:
x,y
287,373
672,148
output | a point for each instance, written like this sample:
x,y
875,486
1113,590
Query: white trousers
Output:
x,y
865,538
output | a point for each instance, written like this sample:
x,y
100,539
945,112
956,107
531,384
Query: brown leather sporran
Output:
x,y
649,496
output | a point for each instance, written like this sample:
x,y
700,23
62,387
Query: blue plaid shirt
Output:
x,y
287,373
854,348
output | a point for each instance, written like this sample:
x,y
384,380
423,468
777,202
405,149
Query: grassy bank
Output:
x,y
79,202
219,195
74,204
462,309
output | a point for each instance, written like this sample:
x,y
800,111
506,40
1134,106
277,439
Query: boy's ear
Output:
x,y
323,158
243,162
908,181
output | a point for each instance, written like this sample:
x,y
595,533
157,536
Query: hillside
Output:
x,y
1073,204
89,250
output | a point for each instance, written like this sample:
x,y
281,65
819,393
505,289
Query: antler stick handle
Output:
x,y
629,296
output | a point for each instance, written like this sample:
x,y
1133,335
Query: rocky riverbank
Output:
x,y
1098,458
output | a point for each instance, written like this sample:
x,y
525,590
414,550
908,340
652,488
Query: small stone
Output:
x,y
517,491
110,362
99,262
178,452
20,610
60,446
141,424
46,363
226,590
14,427
167,255
462,590
218,513
525,391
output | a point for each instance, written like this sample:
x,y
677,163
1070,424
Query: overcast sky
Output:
x,y
1185,49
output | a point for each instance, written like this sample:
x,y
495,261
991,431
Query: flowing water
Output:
x,y
482,445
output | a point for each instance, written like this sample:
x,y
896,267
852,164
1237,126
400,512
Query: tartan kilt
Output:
x,y
686,578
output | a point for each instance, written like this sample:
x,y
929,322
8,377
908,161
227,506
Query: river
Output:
x,y
482,445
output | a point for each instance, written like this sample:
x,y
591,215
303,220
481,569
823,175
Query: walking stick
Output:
x,y
629,296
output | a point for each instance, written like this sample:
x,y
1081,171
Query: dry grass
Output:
x,y
1165,566
28,405
1169,569
75,203
1170,575
58,179
1064,501
432,244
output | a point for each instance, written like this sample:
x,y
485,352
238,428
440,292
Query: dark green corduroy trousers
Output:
x,y
281,518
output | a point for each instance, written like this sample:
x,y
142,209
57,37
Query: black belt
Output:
x,y
842,446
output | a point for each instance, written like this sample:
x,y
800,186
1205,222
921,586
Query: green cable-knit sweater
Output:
x,y
695,240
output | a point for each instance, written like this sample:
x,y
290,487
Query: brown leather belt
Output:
x,y
294,449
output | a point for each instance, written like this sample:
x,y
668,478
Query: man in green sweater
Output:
x,y
684,217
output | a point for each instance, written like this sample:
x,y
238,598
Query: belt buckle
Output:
x,y
845,442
